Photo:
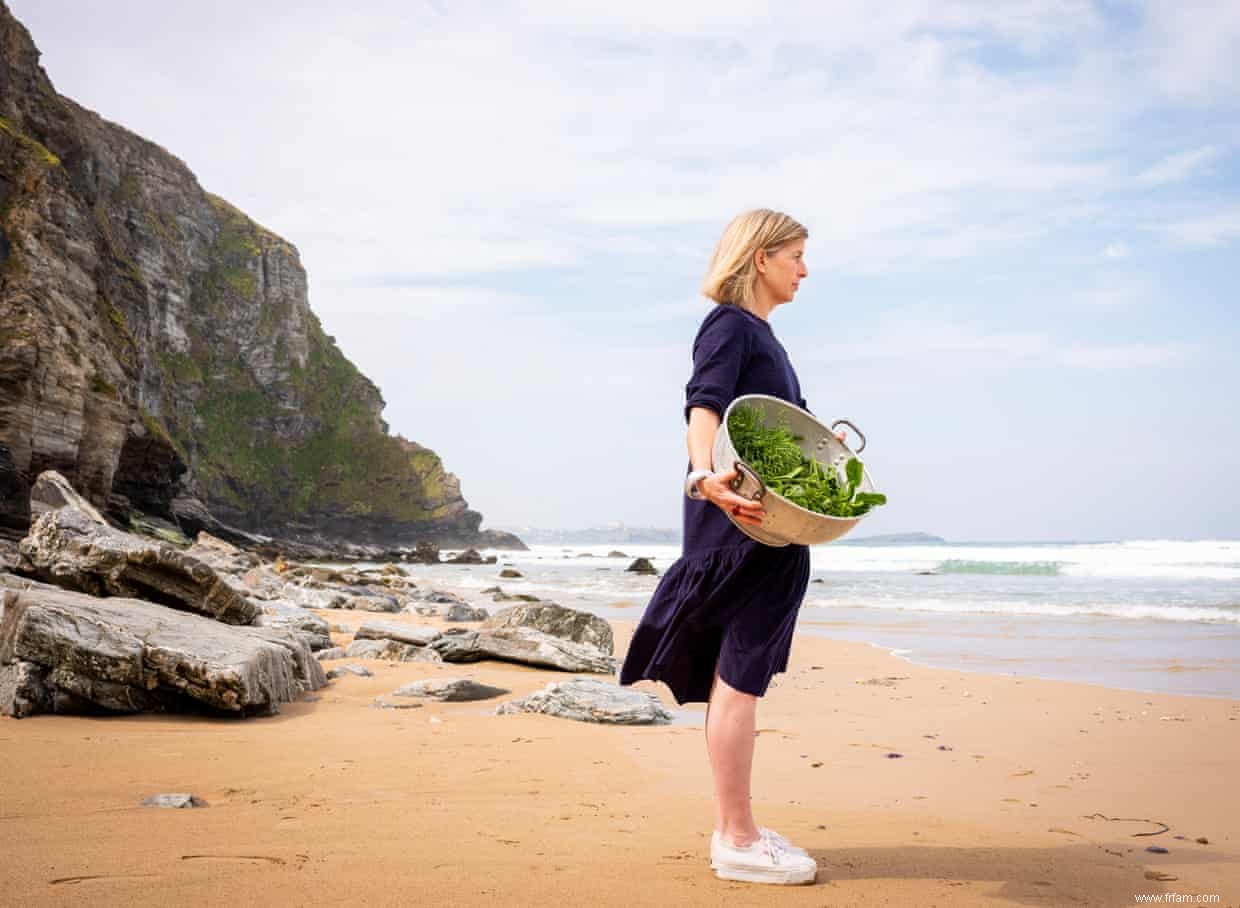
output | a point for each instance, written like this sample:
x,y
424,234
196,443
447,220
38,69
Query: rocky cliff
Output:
x,y
157,348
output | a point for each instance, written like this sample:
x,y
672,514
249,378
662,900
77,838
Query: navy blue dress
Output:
x,y
729,602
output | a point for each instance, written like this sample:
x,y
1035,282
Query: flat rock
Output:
x,y
402,633
449,690
591,700
176,800
68,548
526,646
310,597
558,621
372,603
391,650
221,554
451,611
68,652
295,618
341,670
384,703
438,596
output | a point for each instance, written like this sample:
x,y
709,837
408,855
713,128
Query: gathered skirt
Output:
x,y
731,608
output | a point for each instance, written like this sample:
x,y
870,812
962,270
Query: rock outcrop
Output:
x,y
158,349
69,548
67,652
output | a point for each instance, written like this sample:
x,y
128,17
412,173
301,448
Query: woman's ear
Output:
x,y
759,260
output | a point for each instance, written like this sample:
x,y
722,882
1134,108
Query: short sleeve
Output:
x,y
719,353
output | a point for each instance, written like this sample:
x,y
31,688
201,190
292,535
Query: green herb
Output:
x,y
772,452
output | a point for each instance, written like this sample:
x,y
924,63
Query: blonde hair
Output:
x,y
732,274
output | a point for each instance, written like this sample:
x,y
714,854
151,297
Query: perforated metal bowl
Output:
x,y
785,523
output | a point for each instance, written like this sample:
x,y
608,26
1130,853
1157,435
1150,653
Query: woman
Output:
x,y
720,623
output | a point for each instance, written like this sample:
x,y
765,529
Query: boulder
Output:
x,y
70,549
334,652
51,492
341,670
413,634
524,645
314,629
438,596
424,553
372,603
614,553
62,651
592,700
452,611
391,650
309,597
221,554
509,573
558,621
642,566
449,690
469,556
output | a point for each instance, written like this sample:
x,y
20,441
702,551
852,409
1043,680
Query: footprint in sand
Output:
x,y
100,878
233,858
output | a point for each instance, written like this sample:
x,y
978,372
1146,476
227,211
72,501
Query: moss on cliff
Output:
x,y
310,445
44,154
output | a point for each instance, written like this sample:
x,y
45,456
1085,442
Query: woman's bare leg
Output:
x,y
730,722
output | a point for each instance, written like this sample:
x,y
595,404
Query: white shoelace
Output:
x,y
774,844
782,842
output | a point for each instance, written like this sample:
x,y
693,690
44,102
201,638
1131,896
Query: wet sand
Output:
x,y
1008,791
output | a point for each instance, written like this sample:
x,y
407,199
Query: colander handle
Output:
x,y
855,429
746,483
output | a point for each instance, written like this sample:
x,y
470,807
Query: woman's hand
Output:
x,y
715,488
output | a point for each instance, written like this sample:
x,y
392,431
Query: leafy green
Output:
x,y
772,452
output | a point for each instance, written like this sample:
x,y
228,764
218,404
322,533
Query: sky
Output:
x,y
1024,218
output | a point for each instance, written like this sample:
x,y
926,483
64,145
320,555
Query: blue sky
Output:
x,y
1024,225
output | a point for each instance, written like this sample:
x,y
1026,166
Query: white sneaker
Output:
x,y
714,837
766,860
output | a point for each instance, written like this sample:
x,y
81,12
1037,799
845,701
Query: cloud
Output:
x,y
1181,166
430,147
1116,292
1116,250
924,338
1207,230
1123,356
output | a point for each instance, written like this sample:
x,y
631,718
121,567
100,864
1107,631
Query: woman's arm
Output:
x,y
703,424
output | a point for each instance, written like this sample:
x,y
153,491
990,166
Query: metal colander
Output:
x,y
786,523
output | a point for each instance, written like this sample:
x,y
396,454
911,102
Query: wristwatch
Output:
x,y
691,481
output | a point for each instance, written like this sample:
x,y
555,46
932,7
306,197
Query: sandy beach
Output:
x,y
1006,791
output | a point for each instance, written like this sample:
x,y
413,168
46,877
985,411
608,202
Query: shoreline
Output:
x,y
996,799
1186,658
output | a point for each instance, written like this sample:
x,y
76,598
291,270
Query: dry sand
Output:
x,y
1008,792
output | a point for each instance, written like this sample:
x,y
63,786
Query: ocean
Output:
x,y
1145,615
